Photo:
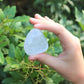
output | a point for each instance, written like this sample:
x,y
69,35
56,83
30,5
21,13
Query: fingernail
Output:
x,y
32,18
36,14
36,25
31,58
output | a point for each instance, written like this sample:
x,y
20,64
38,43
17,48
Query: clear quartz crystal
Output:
x,y
35,42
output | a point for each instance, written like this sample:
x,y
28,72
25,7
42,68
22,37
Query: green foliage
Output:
x,y
80,18
10,12
56,8
1,58
15,68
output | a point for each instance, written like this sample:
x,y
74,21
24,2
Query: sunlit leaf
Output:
x,y
12,51
1,57
10,11
18,54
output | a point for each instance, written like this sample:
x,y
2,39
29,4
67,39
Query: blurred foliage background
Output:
x,y
15,68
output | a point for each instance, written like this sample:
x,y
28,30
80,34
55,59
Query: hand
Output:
x,y
70,63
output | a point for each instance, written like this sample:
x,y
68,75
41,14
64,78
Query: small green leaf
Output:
x,y
79,18
18,54
3,44
4,41
81,25
11,50
17,76
52,8
10,80
23,52
1,57
2,16
71,2
17,65
20,37
10,12
21,18
78,15
11,60
2,38
67,8
21,44
57,78
7,68
26,59
49,81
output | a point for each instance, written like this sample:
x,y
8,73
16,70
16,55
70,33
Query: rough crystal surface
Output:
x,y
35,42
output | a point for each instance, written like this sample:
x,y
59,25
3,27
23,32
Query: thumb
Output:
x,y
49,60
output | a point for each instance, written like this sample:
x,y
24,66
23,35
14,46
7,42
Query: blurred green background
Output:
x,y
15,68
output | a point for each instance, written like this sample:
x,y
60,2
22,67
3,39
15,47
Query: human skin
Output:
x,y
70,63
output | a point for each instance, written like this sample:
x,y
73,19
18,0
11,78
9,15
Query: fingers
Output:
x,y
66,38
51,61
34,21
37,21
37,16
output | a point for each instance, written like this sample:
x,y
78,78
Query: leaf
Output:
x,y
23,52
57,78
2,16
18,54
11,50
10,12
17,21
10,80
67,8
1,58
21,44
78,15
17,76
52,8
26,59
17,25
79,18
2,73
21,18
17,65
11,60
7,68
20,37
49,81
28,81
2,38
81,25
4,41
71,2
8,20
3,44
5,51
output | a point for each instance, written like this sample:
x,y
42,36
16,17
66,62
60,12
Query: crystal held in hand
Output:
x,y
35,42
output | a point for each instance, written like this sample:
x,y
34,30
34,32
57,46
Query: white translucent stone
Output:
x,y
35,42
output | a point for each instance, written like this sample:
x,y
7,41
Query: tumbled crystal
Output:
x,y
35,42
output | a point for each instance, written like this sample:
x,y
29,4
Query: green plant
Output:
x,y
55,9
15,68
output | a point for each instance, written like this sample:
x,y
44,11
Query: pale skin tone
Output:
x,y
70,63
